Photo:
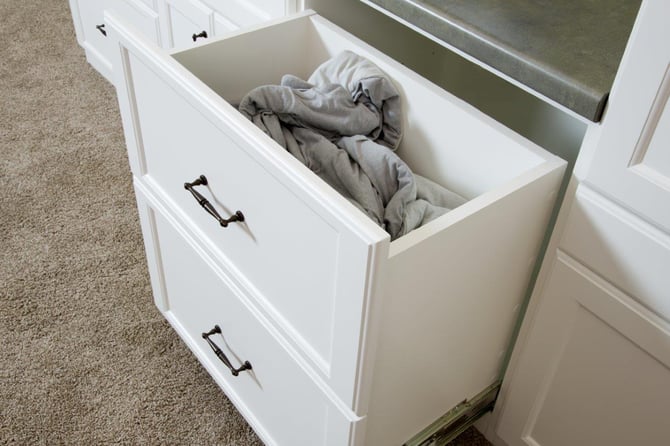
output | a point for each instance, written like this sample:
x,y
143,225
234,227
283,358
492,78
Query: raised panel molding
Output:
x,y
596,369
631,161
651,158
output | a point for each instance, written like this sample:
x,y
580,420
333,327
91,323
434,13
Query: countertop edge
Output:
x,y
581,99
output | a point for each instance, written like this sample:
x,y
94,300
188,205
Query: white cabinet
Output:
x,y
592,364
373,340
353,317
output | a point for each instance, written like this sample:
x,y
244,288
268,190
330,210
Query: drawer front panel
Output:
x,y
183,19
306,267
142,17
278,398
91,15
93,27
245,13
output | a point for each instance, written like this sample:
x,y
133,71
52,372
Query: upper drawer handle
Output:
x,y
202,201
222,356
101,28
202,34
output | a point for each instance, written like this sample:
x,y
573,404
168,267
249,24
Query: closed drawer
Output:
x,y
330,281
278,398
185,18
141,16
627,251
92,30
185,21
239,13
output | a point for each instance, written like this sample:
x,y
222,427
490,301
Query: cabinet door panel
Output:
x,y
632,160
633,255
596,368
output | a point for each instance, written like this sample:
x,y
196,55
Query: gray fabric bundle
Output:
x,y
343,123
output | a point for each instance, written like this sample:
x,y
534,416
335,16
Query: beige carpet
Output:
x,y
85,357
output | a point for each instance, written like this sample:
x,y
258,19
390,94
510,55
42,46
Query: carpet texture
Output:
x,y
85,358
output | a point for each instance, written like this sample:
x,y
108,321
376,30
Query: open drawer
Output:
x,y
398,331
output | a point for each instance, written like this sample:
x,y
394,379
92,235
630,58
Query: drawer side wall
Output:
x,y
449,309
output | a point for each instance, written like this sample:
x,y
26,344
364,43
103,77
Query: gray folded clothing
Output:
x,y
344,123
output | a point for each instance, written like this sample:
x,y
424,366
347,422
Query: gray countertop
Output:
x,y
566,50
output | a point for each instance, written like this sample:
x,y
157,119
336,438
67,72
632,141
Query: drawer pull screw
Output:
x,y
202,201
101,28
202,34
222,356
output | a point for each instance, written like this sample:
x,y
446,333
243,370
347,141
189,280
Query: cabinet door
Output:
x,y
595,369
91,33
632,159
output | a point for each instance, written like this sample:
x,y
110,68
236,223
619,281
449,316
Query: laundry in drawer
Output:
x,y
345,123
398,331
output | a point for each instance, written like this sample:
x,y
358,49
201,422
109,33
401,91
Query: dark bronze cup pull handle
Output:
x,y
202,201
202,34
222,356
101,28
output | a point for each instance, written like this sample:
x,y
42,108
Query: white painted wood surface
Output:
x,y
592,364
599,369
631,253
89,14
326,297
301,256
450,306
168,23
323,276
181,19
223,24
276,396
632,160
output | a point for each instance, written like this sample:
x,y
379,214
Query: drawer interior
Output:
x,y
445,139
